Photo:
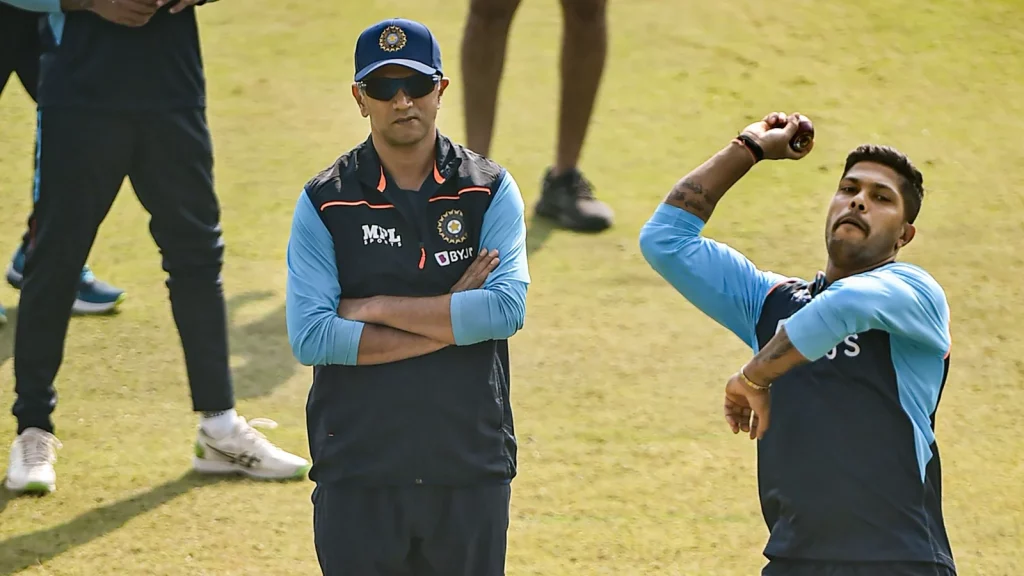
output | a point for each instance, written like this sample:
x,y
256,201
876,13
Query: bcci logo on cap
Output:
x,y
451,226
392,39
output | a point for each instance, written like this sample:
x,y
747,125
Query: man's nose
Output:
x,y
401,100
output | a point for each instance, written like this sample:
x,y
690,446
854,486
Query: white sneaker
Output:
x,y
247,451
32,456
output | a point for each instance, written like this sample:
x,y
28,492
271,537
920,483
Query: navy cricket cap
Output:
x,y
397,41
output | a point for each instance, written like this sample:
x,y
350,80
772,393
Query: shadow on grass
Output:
x,y
7,336
30,549
267,360
262,345
537,232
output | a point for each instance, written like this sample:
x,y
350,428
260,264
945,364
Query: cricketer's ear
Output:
x,y
359,97
909,230
440,89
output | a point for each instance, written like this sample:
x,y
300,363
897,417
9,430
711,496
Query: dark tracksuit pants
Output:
x,y
822,568
83,158
411,530
19,55
19,47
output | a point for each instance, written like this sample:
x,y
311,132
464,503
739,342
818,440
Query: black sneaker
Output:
x,y
569,200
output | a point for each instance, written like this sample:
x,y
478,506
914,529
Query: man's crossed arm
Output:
x,y
488,302
429,316
379,342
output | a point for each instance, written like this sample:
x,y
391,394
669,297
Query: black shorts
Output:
x,y
823,568
19,47
411,531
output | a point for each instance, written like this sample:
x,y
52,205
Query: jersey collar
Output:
x,y
371,171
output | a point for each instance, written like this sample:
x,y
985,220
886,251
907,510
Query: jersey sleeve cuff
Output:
x,y
676,217
348,333
810,334
469,315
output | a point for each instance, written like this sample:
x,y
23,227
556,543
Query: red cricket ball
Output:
x,y
804,135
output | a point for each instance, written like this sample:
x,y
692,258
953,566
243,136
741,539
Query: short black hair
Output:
x,y
912,189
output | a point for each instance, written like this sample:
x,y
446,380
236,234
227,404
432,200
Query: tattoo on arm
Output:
x,y
778,347
700,190
775,359
692,196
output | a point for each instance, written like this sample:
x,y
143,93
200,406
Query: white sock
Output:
x,y
218,424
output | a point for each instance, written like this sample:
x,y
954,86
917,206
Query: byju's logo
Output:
x,y
377,235
448,256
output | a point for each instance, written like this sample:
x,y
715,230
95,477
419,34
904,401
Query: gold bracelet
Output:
x,y
751,383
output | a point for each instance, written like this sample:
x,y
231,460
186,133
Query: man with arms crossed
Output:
x,y
407,274
848,368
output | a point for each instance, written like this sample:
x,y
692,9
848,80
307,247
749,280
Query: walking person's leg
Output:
x,y
484,41
173,177
566,196
83,157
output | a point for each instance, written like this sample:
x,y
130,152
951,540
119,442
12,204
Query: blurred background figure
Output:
x,y
566,196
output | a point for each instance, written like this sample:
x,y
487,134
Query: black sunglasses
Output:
x,y
415,86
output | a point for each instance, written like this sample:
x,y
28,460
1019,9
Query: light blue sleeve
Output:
x,y
898,298
497,310
35,5
318,336
715,278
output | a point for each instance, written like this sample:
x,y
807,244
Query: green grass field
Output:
x,y
626,466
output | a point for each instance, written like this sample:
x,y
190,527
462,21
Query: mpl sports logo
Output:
x,y
449,256
377,235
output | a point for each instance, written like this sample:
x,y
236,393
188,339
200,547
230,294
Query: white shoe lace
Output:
x,y
38,447
251,435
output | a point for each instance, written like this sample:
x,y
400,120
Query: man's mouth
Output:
x,y
853,221
406,120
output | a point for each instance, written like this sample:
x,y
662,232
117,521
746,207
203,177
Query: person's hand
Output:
x,y
475,276
181,5
774,133
356,309
132,13
747,408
